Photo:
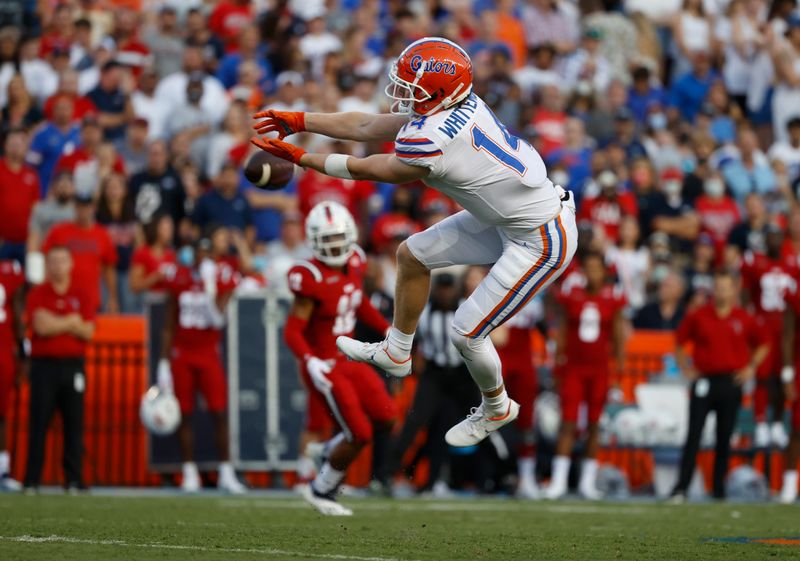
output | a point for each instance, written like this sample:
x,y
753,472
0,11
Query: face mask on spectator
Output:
x,y
186,256
657,121
672,188
714,188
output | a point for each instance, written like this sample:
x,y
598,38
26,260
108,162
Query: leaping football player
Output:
x,y
328,298
514,217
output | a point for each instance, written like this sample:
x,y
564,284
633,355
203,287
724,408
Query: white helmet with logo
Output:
x,y
332,233
160,411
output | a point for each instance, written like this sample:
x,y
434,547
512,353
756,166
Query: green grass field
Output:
x,y
87,528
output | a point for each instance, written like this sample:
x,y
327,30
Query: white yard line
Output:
x,y
120,543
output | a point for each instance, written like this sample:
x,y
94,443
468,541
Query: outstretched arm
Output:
x,y
344,126
386,168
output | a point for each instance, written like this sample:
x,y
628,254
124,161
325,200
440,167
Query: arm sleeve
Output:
x,y
415,147
295,340
371,317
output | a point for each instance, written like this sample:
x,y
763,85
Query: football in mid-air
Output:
x,y
266,171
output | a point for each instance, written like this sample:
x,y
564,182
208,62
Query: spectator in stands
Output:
x,y
631,261
609,206
158,188
749,234
20,110
115,213
587,64
153,263
69,87
645,94
670,213
19,191
282,254
547,22
718,212
93,254
133,148
788,151
749,170
700,272
61,322
540,70
40,79
667,311
173,91
112,102
225,205
575,155
191,121
727,350
229,21
51,140
786,59
165,42
250,49
84,161
691,32
233,135
289,93
58,207
689,91
147,106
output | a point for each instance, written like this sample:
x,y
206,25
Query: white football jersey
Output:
x,y
473,159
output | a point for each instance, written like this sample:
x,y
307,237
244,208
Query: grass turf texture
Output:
x,y
87,528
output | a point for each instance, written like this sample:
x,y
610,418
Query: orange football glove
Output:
x,y
279,148
282,122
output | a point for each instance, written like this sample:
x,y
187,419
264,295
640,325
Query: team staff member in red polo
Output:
x,y
61,319
728,349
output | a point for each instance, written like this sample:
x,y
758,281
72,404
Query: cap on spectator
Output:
x,y
110,65
671,174
392,227
84,197
607,178
289,77
593,33
623,114
794,122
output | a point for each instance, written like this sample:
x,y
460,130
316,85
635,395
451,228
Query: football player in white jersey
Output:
x,y
514,217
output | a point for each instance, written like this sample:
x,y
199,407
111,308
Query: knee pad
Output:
x,y
461,342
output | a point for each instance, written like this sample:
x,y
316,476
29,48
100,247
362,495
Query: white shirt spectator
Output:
x,y
530,79
787,154
171,91
631,266
153,109
578,68
657,11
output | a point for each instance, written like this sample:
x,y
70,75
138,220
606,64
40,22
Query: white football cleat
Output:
x,y
325,504
589,492
761,436
228,482
555,491
788,495
10,485
191,478
527,489
478,425
376,354
778,435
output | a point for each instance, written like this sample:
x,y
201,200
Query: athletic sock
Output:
x,y
561,471
526,469
399,343
305,467
589,472
327,480
226,471
5,463
790,479
497,405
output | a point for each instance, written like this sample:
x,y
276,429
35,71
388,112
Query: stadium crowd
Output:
x,y
125,125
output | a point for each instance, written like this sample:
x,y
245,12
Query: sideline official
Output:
x,y
62,322
727,349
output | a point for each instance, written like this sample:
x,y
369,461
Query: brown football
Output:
x,y
266,171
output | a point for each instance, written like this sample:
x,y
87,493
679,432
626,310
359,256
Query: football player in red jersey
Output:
x,y
791,384
191,359
328,299
12,282
766,279
513,343
592,326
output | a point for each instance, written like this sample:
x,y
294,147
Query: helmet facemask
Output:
x,y
402,92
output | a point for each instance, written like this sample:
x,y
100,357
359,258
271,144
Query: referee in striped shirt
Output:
x,y
444,383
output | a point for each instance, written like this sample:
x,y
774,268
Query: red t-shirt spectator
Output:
x,y
80,157
134,54
550,126
19,191
718,216
609,212
81,106
316,187
227,20
722,345
53,41
150,263
91,249
72,301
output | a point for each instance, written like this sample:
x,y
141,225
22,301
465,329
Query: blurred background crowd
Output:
x,y
125,124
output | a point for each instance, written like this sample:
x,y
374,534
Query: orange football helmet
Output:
x,y
431,74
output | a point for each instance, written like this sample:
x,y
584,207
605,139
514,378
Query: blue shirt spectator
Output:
x,y
49,144
111,102
749,170
225,204
249,49
689,91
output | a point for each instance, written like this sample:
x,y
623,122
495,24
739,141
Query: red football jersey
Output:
x,y
198,324
590,319
768,281
337,296
150,262
19,191
11,278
